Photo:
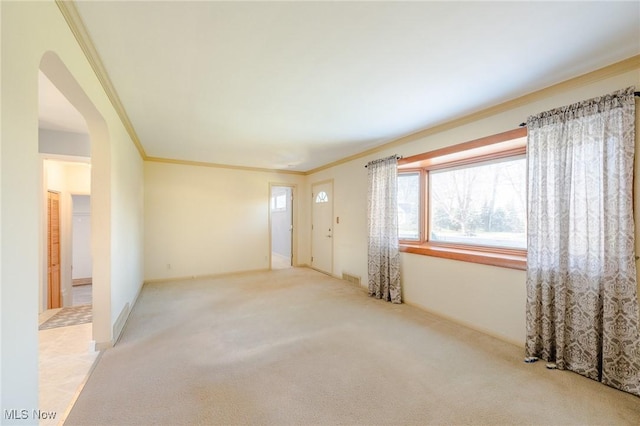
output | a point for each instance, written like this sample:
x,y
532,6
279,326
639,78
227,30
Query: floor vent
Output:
x,y
351,278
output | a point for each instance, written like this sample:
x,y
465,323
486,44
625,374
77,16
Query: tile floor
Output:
x,y
82,294
66,359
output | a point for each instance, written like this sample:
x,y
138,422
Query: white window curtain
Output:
x,y
582,302
384,254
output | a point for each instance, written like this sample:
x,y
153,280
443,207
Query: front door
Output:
x,y
322,227
53,250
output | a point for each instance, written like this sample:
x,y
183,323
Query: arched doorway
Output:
x,y
65,149
55,71
75,160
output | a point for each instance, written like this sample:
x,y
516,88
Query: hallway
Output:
x,y
65,361
82,294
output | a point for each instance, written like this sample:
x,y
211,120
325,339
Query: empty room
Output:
x,y
319,212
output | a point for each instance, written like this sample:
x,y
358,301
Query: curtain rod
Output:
x,y
637,94
398,157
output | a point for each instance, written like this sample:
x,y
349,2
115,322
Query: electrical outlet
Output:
x,y
168,266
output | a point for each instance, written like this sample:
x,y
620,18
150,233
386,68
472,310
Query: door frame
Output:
x,y
72,248
294,222
313,200
66,231
104,331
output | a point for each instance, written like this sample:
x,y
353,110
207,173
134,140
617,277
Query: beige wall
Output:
x,y
488,298
205,220
127,228
29,31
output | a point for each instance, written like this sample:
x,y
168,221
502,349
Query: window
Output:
x,y
409,206
279,202
482,204
322,197
467,202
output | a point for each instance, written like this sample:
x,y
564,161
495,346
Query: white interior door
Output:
x,y
81,237
281,207
322,227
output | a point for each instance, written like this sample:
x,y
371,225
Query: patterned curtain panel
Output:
x,y
384,255
582,302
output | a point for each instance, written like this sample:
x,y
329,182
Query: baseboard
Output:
x,y
323,272
101,346
466,324
205,276
121,322
75,282
118,325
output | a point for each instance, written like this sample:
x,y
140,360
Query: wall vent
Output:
x,y
351,278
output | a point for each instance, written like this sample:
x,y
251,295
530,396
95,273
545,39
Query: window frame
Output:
x,y
503,145
421,206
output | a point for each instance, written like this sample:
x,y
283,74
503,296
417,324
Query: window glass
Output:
x,y
483,204
322,197
279,202
409,206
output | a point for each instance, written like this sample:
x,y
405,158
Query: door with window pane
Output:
x,y
281,208
322,227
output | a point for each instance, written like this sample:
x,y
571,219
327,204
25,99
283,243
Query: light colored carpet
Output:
x,y
279,261
296,347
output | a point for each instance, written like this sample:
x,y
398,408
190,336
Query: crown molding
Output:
x,y
72,16
222,166
629,64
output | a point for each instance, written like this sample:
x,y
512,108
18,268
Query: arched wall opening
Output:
x,y
56,71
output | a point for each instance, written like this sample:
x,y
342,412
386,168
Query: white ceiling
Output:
x,y
301,84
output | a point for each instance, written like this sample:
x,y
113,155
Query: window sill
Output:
x,y
513,259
